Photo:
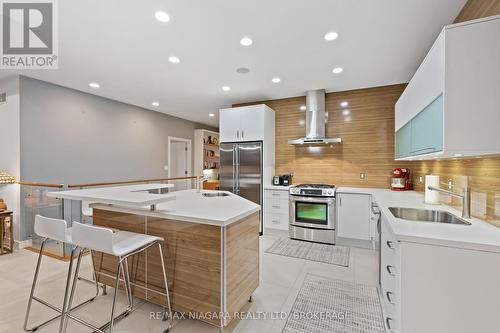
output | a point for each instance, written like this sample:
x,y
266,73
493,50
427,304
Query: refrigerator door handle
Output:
x,y
237,164
234,169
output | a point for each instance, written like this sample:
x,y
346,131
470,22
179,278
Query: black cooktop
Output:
x,y
315,186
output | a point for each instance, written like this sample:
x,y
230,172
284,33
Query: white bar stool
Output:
x,y
121,244
55,229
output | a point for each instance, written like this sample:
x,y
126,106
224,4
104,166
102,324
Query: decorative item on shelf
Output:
x,y
3,206
6,236
6,178
215,141
209,140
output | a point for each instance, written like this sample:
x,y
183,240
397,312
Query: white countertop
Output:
x,y
130,195
190,206
277,187
478,236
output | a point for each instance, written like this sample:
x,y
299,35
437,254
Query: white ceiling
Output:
x,y
120,45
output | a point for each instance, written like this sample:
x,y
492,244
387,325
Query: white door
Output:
x,y
252,123
179,162
353,216
229,125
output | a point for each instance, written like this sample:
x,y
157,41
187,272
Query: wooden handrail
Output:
x,y
41,184
129,182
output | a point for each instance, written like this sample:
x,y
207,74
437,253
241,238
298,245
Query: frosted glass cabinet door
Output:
x,y
403,141
427,129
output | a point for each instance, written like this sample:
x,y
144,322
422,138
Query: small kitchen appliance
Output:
x,y
286,180
283,180
400,179
312,213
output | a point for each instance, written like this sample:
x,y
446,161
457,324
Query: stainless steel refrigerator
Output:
x,y
241,171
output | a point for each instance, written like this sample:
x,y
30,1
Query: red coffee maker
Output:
x,y
400,179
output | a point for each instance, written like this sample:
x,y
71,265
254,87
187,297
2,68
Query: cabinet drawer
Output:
x,y
277,206
276,221
276,194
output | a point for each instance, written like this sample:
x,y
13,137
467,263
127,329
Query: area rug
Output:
x,y
330,254
327,305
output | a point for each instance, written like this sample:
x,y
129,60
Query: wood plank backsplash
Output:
x,y
482,174
475,9
367,134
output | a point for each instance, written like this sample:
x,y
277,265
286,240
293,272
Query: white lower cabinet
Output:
x,y
390,282
276,211
436,288
355,218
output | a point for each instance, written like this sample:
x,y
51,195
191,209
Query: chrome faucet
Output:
x,y
200,181
465,196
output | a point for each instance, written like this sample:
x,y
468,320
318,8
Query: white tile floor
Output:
x,y
281,279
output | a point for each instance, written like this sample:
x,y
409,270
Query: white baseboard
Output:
x,y
22,244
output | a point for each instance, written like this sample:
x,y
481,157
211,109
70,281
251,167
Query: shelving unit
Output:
x,y
207,157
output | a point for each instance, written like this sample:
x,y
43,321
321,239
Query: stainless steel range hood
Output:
x,y
315,121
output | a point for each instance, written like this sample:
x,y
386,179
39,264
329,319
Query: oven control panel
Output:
x,y
324,192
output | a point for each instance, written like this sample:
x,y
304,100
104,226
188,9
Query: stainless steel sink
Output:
x,y
215,194
426,215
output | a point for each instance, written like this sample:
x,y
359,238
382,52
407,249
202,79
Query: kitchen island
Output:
x,y
211,247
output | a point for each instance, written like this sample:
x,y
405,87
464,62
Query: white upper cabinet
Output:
x,y
229,125
451,107
247,123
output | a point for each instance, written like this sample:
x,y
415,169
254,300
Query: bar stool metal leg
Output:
x,y
115,294
67,309
35,278
32,296
110,324
166,289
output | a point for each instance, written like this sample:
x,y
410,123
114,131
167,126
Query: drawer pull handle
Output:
x,y
390,245
388,321
276,221
389,270
276,206
275,194
389,297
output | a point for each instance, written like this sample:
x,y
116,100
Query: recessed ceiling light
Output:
x,y
226,88
332,35
243,70
337,70
346,112
246,41
162,16
303,108
94,85
344,104
174,59
155,104
211,114
276,80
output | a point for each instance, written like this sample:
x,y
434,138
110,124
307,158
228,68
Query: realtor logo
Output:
x,y
29,34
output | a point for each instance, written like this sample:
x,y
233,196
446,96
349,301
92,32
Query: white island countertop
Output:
x,y
130,195
479,235
192,206
187,205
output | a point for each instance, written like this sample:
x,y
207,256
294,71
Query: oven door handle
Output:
x,y
329,201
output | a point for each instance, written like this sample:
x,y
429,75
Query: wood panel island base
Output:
x,y
212,270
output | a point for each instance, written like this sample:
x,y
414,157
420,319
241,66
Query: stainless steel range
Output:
x,y
312,215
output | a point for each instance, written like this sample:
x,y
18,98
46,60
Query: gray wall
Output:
x,y
68,136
